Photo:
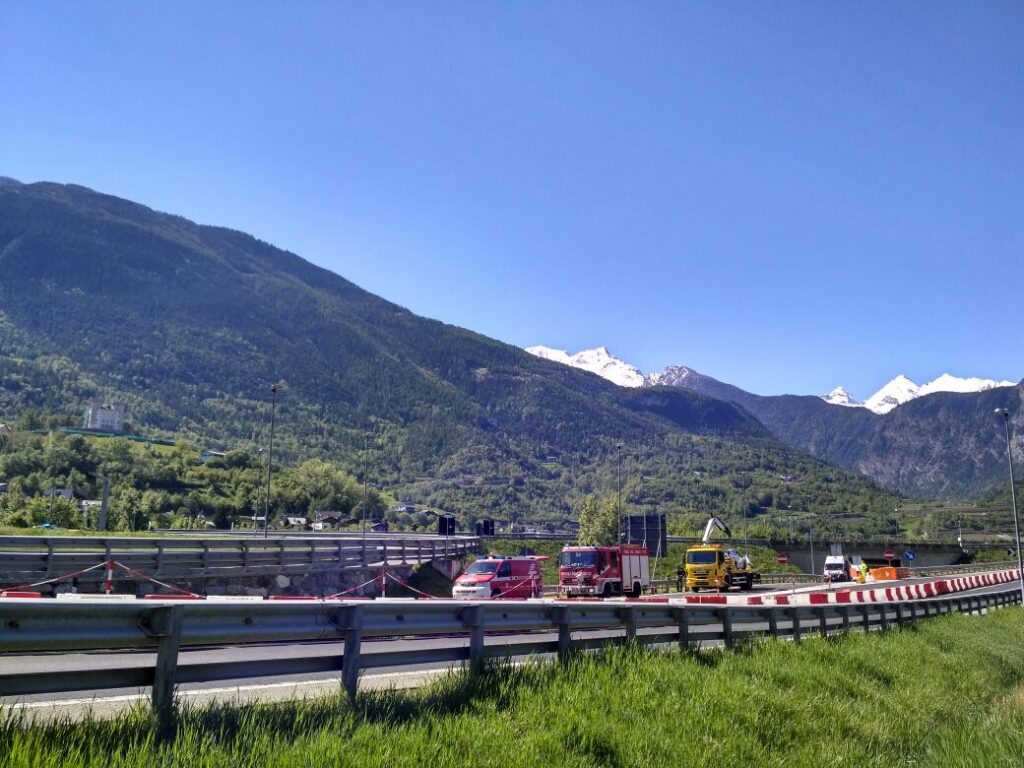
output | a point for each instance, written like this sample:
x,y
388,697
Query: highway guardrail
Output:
x,y
538,627
24,559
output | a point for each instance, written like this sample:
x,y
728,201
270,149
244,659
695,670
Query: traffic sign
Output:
x,y
889,554
909,554
783,558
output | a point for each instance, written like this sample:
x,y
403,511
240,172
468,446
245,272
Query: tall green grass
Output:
x,y
948,692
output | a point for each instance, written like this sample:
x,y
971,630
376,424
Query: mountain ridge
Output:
x,y
897,391
913,441
191,324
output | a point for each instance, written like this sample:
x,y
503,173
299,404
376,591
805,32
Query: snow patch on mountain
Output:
x,y
839,396
898,391
672,376
598,360
948,383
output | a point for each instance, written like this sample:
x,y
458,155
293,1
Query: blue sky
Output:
x,y
786,196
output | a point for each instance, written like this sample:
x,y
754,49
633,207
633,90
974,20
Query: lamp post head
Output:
x,y
1004,412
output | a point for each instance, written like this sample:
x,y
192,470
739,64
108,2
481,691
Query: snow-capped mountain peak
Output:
x,y
949,383
898,391
672,376
598,360
839,396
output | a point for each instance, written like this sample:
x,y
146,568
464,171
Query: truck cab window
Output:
x,y
505,570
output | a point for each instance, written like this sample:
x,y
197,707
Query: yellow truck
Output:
x,y
712,566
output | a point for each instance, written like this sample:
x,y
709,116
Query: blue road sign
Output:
x,y
909,554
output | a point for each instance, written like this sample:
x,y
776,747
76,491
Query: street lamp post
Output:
x,y
746,540
270,462
366,449
618,492
1005,413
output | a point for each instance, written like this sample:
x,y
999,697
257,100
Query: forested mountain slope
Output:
x,y
189,325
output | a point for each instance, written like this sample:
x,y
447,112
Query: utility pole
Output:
x,y
270,462
1005,413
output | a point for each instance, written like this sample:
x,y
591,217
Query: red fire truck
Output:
x,y
498,576
603,571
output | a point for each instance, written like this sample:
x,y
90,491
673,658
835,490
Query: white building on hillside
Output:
x,y
105,416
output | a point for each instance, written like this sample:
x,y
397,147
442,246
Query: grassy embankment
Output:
x,y
949,692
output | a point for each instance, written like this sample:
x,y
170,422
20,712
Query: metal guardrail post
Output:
x,y
794,614
844,611
560,616
627,616
49,559
474,618
899,615
726,617
164,624
865,613
822,622
683,622
773,623
352,624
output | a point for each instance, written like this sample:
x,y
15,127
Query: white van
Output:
x,y
837,569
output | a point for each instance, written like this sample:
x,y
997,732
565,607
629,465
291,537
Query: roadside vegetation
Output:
x,y
166,486
947,692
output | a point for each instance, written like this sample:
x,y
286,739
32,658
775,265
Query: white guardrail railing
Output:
x,y
537,627
25,559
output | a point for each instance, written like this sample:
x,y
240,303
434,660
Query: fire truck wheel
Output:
x,y
495,593
607,591
636,590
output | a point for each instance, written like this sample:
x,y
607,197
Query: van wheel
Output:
x,y
495,593
607,591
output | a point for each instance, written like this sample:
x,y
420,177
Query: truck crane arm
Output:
x,y
714,522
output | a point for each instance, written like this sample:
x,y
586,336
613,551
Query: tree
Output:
x,y
125,509
599,523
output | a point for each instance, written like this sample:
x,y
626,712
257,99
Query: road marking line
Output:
x,y
214,691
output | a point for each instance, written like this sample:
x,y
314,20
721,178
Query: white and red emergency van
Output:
x,y
498,576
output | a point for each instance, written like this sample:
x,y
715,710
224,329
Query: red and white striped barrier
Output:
x,y
890,594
